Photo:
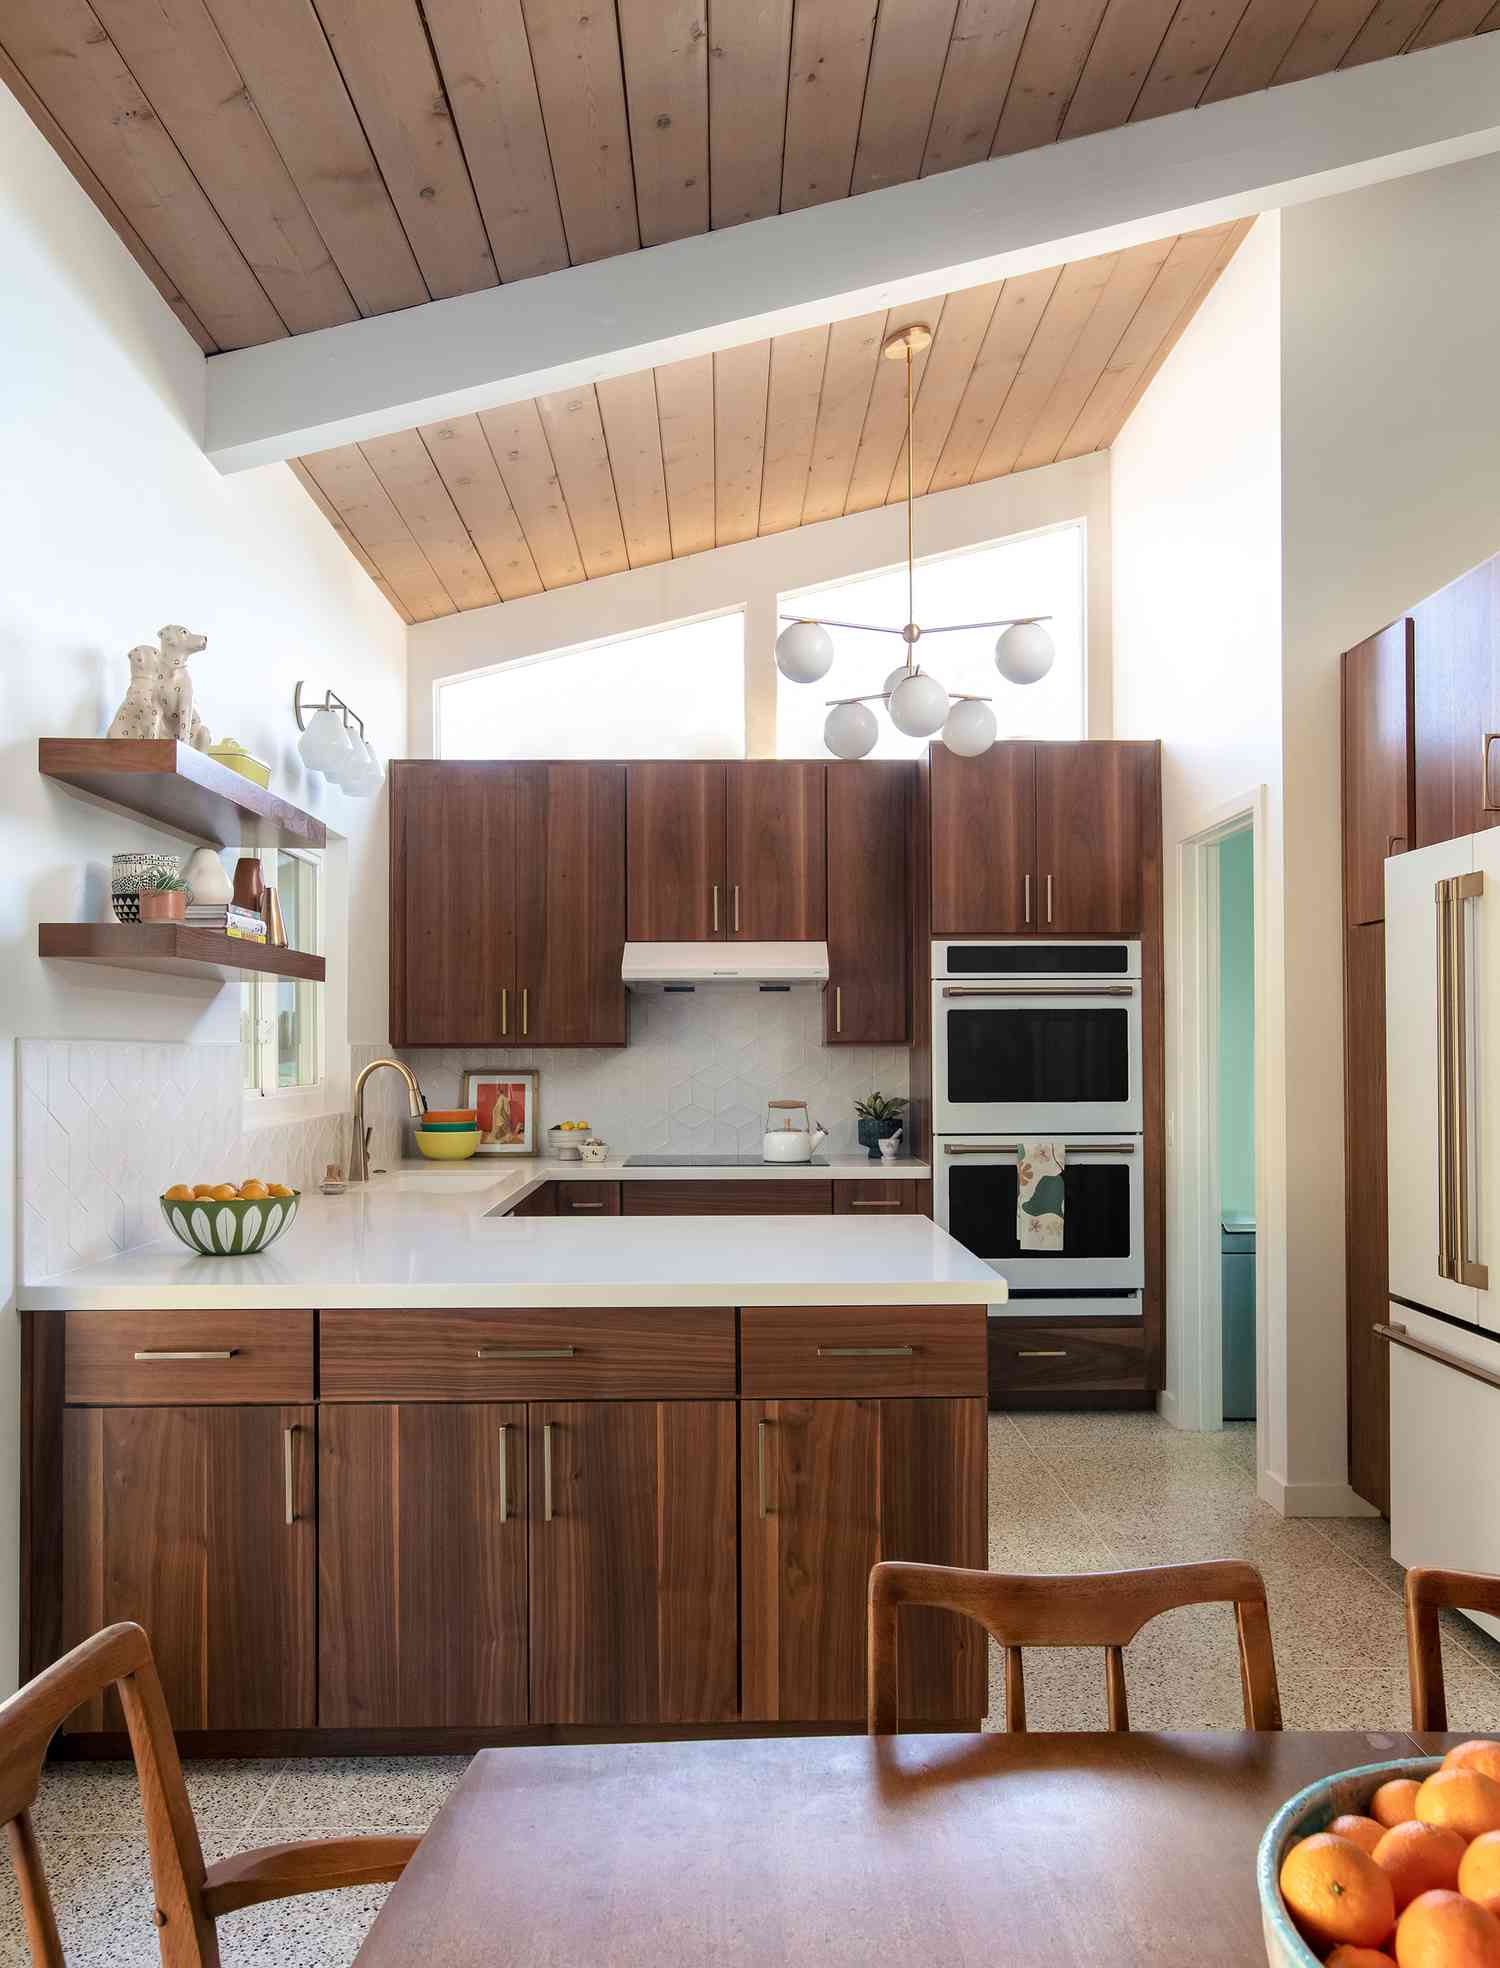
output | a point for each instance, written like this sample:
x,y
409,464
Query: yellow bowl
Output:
x,y
447,1147
240,761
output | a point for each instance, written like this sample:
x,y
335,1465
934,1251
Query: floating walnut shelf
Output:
x,y
174,949
175,787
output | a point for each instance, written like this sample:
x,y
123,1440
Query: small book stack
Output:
x,y
227,919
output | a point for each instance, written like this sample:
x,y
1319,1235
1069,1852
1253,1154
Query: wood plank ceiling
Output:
x,y
278,166
780,433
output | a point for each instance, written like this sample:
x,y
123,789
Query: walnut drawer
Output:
x,y
803,1351
1099,1359
236,1358
663,1353
587,1198
797,1197
875,1198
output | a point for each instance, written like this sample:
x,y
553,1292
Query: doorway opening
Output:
x,y
1236,1104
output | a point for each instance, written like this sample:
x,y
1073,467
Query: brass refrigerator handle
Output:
x,y
1399,1336
546,1472
1487,804
760,1461
1467,1270
1444,1083
1038,990
504,1472
289,1474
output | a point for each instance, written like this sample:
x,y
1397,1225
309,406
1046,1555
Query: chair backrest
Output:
x,y
1070,1609
1428,1590
119,1656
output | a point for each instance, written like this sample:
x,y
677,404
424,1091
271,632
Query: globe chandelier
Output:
x,y
917,703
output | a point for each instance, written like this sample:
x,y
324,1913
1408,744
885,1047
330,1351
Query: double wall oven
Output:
x,y
1038,1040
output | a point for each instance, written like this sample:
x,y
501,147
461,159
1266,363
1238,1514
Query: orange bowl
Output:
x,y
470,1114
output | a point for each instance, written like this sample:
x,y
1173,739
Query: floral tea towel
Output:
x,y
1039,1195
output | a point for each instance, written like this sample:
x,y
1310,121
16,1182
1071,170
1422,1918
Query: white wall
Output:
x,y
753,574
1195,504
1390,323
112,524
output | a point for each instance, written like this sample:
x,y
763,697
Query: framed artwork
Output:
x,y
506,1102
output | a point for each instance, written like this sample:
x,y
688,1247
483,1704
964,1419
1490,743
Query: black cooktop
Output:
x,y
718,1161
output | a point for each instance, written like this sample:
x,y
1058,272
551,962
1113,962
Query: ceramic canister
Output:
x,y
128,874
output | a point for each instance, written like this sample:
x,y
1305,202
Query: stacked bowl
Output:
x,y
448,1134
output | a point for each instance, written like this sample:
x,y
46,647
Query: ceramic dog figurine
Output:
x,y
139,716
174,691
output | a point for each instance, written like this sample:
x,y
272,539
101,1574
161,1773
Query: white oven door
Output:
x,y
1026,1059
1103,1213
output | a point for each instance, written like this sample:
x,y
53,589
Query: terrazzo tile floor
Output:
x,y
1067,1493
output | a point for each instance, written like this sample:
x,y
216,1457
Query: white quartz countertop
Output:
x,y
425,1237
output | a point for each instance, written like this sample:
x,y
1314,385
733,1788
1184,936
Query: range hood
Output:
x,y
723,966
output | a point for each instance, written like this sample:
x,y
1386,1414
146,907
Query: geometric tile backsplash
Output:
x,y
107,1125
696,1074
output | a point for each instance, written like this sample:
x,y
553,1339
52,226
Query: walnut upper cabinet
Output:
x,y
733,851
1044,839
507,903
1378,766
1456,707
868,999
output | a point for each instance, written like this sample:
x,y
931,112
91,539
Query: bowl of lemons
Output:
x,y
218,1219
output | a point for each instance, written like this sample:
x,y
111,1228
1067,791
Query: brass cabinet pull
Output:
x,y
504,1472
865,1352
761,1468
716,908
1399,1336
1038,990
1391,847
838,1007
579,1206
546,1472
1042,1353
1467,1270
1026,891
525,1352
1049,898
525,1011
1444,1084
1485,800
856,1202
736,908
208,1353
289,1475
504,1010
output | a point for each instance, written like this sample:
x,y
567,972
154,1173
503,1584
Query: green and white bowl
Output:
x,y
235,1229
1312,1810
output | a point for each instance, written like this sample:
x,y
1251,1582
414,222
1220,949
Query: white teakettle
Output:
x,y
790,1138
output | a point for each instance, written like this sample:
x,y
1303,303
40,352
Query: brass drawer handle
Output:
x,y
856,1202
504,1472
546,1472
736,908
838,1007
289,1475
217,1353
525,1352
525,1011
1026,891
1049,898
716,908
761,1469
579,1206
504,1011
1042,1353
865,1352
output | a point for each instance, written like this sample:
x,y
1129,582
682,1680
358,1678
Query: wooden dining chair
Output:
x,y
189,1897
1070,1609
1428,1590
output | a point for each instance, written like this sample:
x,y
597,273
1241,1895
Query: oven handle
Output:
x,y
1038,990
1014,1147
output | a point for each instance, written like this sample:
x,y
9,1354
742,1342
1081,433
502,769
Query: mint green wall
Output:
x,y
1237,1024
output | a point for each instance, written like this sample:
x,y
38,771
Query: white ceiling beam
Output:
x,y
988,221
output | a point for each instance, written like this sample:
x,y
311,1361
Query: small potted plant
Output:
x,y
163,897
878,1117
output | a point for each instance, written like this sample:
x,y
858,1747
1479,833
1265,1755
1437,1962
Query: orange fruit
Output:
x,y
179,1193
253,1191
1395,1801
225,1192
279,1189
1336,1892
1420,1858
1353,1957
1366,1833
203,1190
1444,1930
1477,1754
1465,1801
1479,1872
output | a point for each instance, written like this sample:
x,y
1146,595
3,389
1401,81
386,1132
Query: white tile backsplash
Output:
x,y
696,1074
106,1126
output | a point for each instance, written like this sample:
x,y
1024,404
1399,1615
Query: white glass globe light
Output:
x,y
851,731
897,675
322,742
969,728
360,780
919,705
344,764
804,652
1024,653
376,769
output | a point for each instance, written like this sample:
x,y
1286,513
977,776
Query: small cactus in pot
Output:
x,y
878,1117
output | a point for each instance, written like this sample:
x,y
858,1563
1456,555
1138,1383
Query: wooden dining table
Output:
x,y
1051,1850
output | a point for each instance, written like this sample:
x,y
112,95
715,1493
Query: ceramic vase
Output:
x,y
872,1133
207,878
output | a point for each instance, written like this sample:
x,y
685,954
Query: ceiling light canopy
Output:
x,y
917,703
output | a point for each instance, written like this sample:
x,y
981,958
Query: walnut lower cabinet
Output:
x,y
493,1521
